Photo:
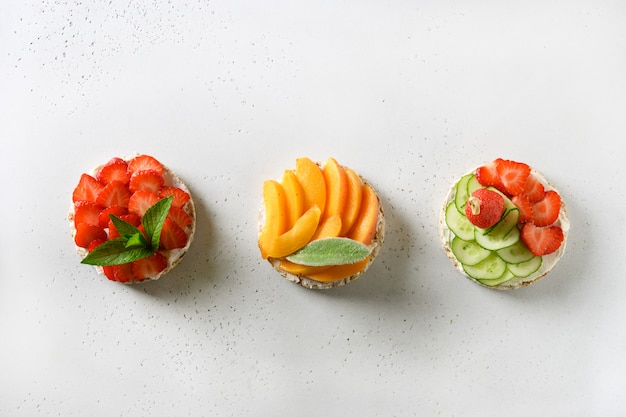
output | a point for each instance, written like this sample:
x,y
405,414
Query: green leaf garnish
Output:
x,y
330,251
132,244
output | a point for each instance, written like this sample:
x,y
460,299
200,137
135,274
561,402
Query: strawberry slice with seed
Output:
x,y
147,180
86,212
87,189
541,240
94,244
172,236
115,193
513,176
525,208
180,217
181,197
149,267
87,233
534,189
546,210
114,170
140,201
119,273
144,162
103,217
487,175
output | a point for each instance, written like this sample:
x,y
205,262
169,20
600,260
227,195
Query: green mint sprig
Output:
x,y
132,244
330,251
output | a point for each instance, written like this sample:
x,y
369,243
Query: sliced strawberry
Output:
x,y
86,212
87,233
172,236
87,189
180,217
119,273
103,217
114,194
144,162
513,176
95,243
147,180
541,240
546,210
113,232
149,267
181,197
525,207
141,201
487,175
114,170
132,218
534,189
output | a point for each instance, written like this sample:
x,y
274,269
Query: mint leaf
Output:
x,y
126,229
330,251
137,240
154,218
115,252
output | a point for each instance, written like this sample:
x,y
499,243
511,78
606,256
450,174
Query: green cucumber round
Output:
x,y
461,195
468,252
516,253
506,277
458,223
503,235
489,268
524,269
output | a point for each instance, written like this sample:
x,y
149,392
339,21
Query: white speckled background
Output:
x,y
411,94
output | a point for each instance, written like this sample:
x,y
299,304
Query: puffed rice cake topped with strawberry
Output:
x,y
132,219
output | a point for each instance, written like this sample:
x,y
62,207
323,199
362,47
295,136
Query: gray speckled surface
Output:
x,y
227,94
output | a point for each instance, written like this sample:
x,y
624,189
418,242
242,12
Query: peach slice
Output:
x,y
301,270
295,238
353,203
275,217
312,179
331,227
364,228
339,271
336,188
294,196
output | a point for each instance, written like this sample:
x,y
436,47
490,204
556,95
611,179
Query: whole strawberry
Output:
x,y
484,208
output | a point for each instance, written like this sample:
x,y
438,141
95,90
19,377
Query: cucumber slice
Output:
x,y
503,235
506,277
489,268
461,196
458,223
516,253
472,185
468,253
524,269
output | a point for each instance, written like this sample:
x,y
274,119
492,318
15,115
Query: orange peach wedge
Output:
x,y
312,179
294,197
275,214
336,188
366,224
295,238
353,202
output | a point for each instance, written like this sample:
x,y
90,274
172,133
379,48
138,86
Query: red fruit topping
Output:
x,y
147,180
87,189
534,189
103,217
525,208
546,210
144,162
180,217
484,208
114,170
119,273
114,194
141,201
172,236
181,197
113,233
94,244
87,233
86,212
149,267
132,218
541,240
487,175
513,176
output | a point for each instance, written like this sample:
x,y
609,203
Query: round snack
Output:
x,y
527,240
133,219
320,226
